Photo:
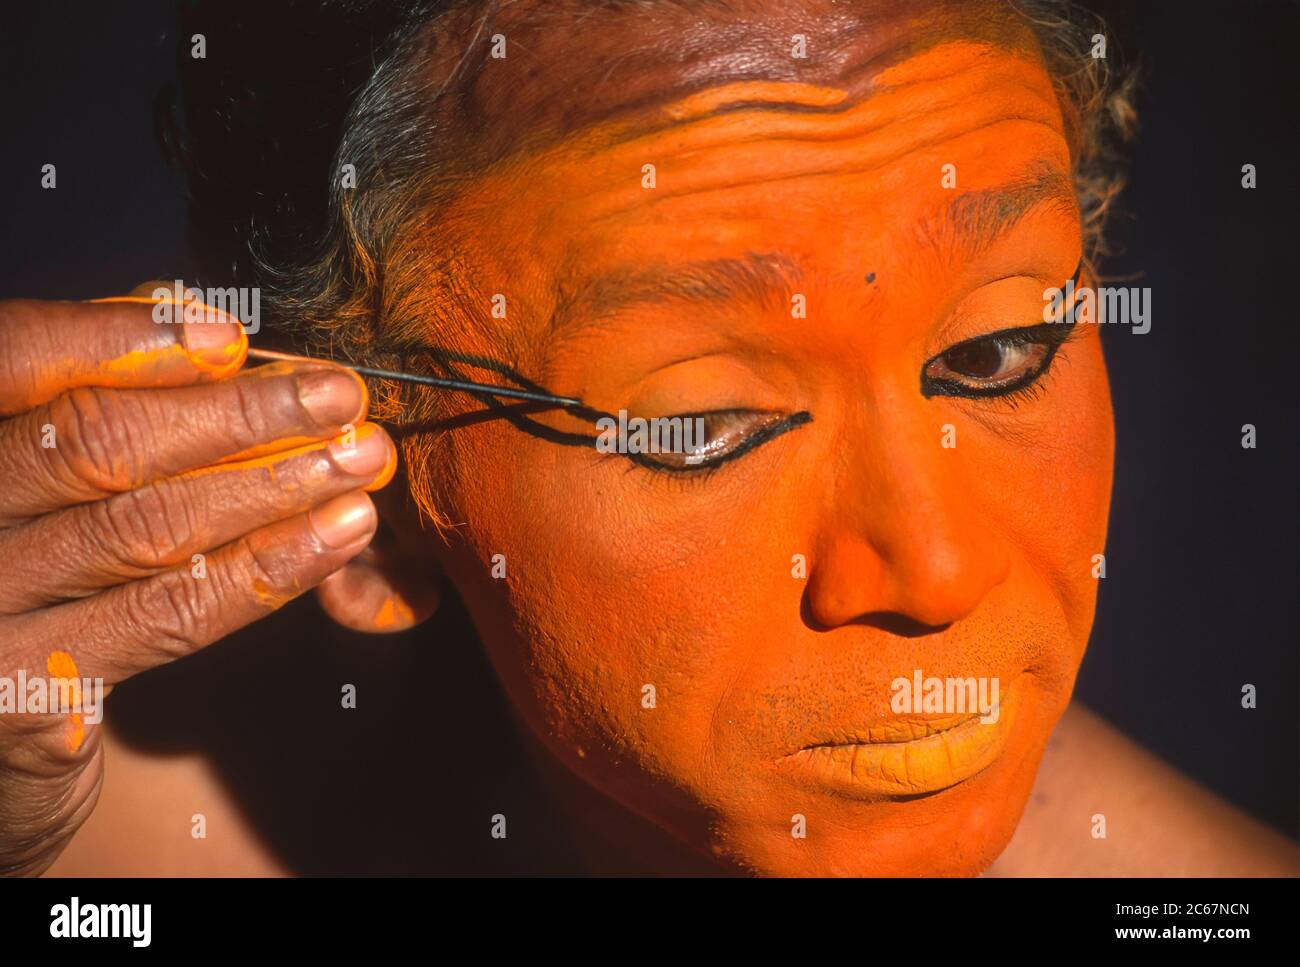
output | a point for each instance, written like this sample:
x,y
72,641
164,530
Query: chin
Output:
x,y
955,831
958,832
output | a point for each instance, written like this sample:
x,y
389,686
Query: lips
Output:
x,y
907,757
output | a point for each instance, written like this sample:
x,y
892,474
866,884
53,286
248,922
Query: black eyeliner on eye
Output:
x,y
1051,335
756,439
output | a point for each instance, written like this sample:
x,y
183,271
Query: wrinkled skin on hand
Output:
x,y
153,499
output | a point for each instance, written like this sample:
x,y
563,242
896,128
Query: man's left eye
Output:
x,y
994,365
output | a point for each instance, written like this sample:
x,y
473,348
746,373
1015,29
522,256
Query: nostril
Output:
x,y
891,622
901,624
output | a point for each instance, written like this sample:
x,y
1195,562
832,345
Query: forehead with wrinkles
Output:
x,y
573,63
544,202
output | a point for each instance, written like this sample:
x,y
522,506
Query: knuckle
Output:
x,y
270,573
99,445
142,529
261,564
247,412
177,610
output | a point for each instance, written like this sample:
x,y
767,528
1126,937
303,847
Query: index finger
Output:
x,y
47,348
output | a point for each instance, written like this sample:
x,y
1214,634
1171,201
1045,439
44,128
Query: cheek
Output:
x,y
1047,477
628,607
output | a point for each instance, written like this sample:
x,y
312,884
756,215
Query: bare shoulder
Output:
x,y
164,815
1156,821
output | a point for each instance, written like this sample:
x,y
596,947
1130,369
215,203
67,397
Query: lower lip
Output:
x,y
930,764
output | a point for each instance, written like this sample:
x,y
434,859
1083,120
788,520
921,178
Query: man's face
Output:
x,y
719,648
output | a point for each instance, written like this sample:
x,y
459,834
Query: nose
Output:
x,y
905,544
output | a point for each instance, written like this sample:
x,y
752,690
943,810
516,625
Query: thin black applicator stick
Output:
x,y
462,386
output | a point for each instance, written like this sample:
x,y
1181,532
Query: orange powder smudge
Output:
x,y
385,476
144,364
61,665
393,614
157,367
267,597
271,461
158,362
280,447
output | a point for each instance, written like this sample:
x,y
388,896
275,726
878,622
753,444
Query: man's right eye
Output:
x,y
711,439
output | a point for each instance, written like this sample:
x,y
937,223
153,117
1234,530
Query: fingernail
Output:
x,y
343,520
214,340
368,453
331,397
385,476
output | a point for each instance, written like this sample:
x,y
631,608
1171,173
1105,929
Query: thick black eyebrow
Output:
x,y
975,219
764,279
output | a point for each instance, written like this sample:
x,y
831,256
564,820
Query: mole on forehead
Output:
x,y
568,68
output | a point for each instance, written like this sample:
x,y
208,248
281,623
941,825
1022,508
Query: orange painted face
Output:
x,y
719,649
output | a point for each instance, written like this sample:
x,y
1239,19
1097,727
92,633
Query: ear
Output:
x,y
390,586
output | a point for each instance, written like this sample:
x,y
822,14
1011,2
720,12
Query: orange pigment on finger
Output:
x,y
267,597
385,476
61,665
269,461
272,461
158,366
284,446
393,613
291,442
153,360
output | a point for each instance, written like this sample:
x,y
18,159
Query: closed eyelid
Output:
x,y
750,443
